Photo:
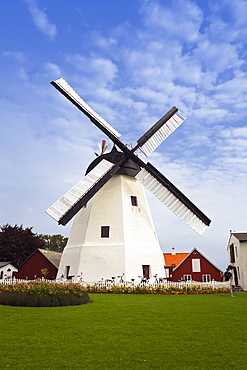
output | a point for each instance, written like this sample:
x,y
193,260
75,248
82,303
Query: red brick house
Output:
x,y
191,266
40,259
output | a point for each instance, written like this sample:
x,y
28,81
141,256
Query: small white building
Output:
x,y
237,256
7,270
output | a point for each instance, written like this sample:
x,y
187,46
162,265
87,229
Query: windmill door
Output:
x,y
146,271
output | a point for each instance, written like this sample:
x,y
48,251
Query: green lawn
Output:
x,y
128,332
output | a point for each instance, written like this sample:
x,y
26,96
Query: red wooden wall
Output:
x,y
33,265
207,268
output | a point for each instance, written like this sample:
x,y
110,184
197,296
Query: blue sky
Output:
x,y
131,61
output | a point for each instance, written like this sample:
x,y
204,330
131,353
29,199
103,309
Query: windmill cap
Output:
x,y
129,168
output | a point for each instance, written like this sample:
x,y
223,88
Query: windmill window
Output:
x,y
105,231
146,271
67,268
133,200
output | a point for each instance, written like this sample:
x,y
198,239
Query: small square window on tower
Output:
x,y
133,200
146,271
105,231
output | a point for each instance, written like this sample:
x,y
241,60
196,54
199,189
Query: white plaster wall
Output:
x,y
243,255
142,245
8,274
240,259
132,243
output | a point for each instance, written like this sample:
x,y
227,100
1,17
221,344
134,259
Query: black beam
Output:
x,y
156,126
92,119
89,194
178,194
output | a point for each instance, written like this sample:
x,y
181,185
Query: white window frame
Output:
x,y
196,265
206,278
166,273
187,277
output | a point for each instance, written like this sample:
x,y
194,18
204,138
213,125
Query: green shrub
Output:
x,y
37,300
42,298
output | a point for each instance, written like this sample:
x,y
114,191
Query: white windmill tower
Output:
x,y
113,232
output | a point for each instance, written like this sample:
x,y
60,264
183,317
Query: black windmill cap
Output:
x,y
129,168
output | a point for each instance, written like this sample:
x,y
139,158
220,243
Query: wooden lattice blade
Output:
x,y
160,131
173,198
71,202
63,86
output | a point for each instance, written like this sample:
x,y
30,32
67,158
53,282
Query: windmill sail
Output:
x,y
160,131
173,198
68,205
63,86
71,202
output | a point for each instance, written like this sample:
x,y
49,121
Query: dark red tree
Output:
x,y
17,243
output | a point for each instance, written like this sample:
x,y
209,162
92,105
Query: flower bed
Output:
x,y
43,294
159,289
50,294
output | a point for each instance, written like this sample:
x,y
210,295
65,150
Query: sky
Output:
x,y
131,61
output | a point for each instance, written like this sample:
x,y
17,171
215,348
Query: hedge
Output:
x,y
36,300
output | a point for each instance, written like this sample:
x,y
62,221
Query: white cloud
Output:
x,y
216,56
181,19
53,69
239,132
101,69
227,20
102,41
23,74
17,55
41,20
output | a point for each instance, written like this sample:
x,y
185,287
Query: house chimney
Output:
x,y
173,251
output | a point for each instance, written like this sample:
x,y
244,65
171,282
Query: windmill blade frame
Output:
x,y
173,198
67,206
72,201
64,88
160,131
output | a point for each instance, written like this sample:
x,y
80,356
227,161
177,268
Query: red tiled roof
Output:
x,y
175,259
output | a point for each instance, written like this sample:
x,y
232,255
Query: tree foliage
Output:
x,y
55,242
17,243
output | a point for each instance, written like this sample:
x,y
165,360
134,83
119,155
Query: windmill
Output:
x,y
113,231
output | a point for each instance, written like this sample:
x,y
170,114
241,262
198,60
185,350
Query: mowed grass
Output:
x,y
128,332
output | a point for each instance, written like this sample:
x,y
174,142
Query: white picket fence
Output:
x,y
164,284
133,283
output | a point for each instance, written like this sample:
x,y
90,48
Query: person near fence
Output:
x,y
227,276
